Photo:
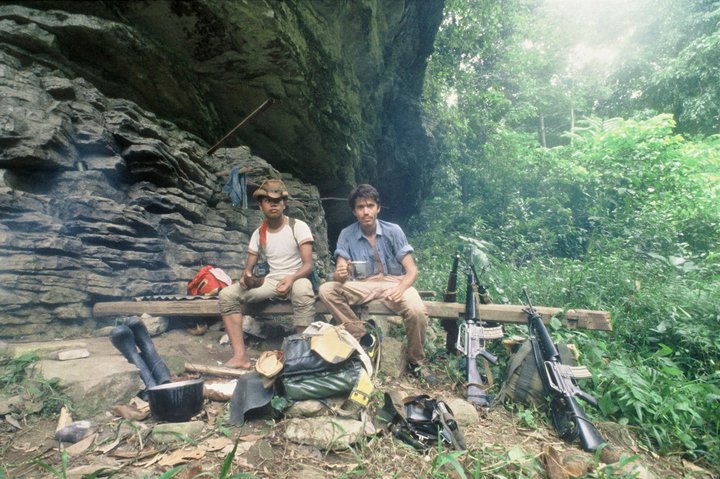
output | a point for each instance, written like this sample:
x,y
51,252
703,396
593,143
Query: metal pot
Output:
x,y
176,402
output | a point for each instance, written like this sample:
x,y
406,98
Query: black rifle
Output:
x,y
450,296
559,384
472,334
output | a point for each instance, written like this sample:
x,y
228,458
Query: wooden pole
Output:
x,y
259,109
216,370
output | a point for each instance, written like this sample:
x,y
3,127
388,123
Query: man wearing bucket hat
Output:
x,y
373,261
286,245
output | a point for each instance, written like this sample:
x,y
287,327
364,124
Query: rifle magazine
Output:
x,y
576,372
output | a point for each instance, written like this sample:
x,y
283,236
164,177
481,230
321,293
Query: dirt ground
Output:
x,y
498,445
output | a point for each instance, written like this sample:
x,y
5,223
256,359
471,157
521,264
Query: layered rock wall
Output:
x,y
108,109
101,200
346,76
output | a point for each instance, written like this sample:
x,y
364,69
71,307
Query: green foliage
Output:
x,y
42,394
447,460
654,394
526,417
14,369
624,218
170,473
58,473
676,71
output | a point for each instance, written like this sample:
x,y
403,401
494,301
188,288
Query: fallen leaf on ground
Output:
x,y
242,448
217,443
697,469
134,454
32,407
182,456
25,447
64,419
13,422
150,462
250,437
10,404
131,412
91,471
81,446
139,403
109,447
553,463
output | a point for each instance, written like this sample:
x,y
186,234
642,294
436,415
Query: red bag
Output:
x,y
208,282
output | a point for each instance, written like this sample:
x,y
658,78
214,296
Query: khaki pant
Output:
x,y
303,299
338,297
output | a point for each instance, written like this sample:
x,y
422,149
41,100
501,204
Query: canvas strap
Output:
x,y
263,235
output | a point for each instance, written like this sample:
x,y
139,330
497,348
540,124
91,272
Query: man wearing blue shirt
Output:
x,y
388,273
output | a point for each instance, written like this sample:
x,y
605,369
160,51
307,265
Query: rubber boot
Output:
x,y
123,339
157,366
451,328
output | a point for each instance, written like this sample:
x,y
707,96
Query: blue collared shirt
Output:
x,y
390,240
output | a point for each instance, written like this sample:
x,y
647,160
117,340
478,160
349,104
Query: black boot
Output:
x,y
157,366
124,340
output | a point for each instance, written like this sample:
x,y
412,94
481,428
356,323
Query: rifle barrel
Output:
x,y
450,295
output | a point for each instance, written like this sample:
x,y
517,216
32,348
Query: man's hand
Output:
x,y
284,286
243,283
395,293
248,281
342,271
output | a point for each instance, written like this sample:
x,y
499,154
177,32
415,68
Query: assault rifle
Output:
x,y
559,384
472,334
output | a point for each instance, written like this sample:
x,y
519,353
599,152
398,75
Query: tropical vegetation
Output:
x,y
593,180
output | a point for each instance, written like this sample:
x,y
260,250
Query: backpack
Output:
x,y
329,368
522,383
208,282
262,269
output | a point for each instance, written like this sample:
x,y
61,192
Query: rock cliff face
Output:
x,y
108,109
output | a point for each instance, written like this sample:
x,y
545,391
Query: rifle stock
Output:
x,y
567,415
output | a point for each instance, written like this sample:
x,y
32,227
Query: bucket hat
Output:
x,y
272,189
269,364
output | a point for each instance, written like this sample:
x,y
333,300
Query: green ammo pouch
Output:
x,y
322,384
522,383
306,375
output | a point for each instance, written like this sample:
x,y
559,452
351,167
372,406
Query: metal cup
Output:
x,y
359,270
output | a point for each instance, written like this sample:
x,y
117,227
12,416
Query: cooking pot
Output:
x,y
176,402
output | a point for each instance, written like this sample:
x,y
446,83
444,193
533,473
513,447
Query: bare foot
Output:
x,y
238,363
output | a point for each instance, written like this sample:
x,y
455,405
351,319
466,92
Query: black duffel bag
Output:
x,y
306,375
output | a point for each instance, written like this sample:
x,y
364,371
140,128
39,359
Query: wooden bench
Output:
x,y
209,307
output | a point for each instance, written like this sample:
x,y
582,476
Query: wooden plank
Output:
x,y
514,314
503,313
198,307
